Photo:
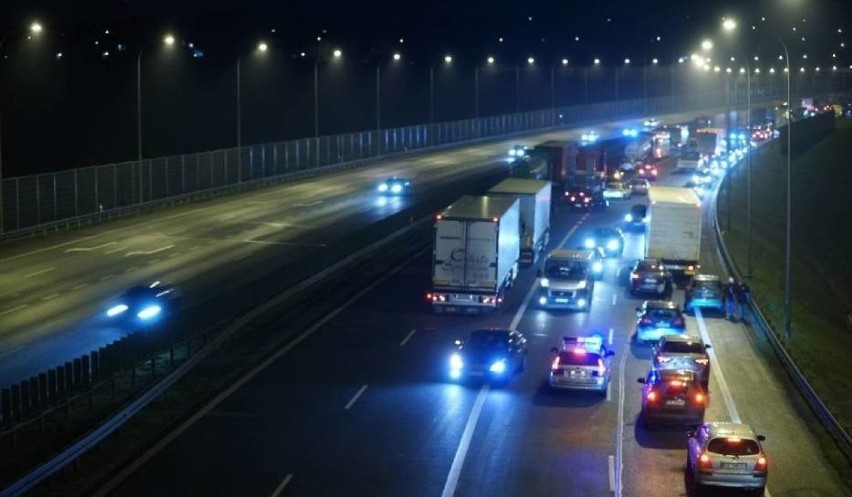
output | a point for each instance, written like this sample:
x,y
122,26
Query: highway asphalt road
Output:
x,y
363,406
56,288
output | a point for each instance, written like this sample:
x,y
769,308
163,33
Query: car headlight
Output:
x,y
498,367
545,282
396,188
149,312
456,362
116,310
542,300
383,187
628,218
581,303
589,243
612,245
597,266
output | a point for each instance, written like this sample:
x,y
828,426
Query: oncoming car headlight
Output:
x,y
545,282
597,266
116,310
149,311
612,245
383,187
396,188
498,367
456,362
589,243
581,303
628,218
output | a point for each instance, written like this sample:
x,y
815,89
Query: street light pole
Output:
x,y
476,92
517,90
788,286
239,124
316,98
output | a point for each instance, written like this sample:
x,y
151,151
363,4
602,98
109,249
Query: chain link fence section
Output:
x,y
43,200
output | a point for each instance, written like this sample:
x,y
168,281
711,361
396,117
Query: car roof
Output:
x,y
706,277
572,254
681,338
679,373
729,429
660,304
607,231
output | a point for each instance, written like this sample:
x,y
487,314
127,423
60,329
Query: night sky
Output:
x,y
80,109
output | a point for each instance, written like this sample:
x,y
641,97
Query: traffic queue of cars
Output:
x,y
675,390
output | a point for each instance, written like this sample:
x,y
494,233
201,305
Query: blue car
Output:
x,y
490,354
704,291
658,319
394,186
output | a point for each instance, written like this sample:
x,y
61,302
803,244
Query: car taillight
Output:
x,y
704,461
645,321
555,364
702,362
762,464
652,396
699,398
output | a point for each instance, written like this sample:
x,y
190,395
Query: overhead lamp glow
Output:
x,y
707,45
627,61
36,28
169,40
742,70
757,70
771,70
448,58
490,60
530,60
397,56
654,60
564,62
597,61
262,47
729,24
816,69
801,69
337,53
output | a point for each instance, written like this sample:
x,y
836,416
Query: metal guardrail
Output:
x,y
68,455
831,424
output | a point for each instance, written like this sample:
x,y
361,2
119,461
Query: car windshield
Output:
x,y
733,446
580,358
714,286
614,186
487,339
661,314
640,210
693,155
683,347
565,269
647,266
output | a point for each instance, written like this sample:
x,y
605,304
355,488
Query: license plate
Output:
x,y
675,403
650,280
734,465
663,324
561,301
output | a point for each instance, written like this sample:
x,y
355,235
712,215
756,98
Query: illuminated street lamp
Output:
x,y
261,48
168,40
35,29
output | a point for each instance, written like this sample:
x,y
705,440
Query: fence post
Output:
x,y
51,384
43,392
69,378
6,406
86,370
61,382
15,405
95,359
78,372
25,396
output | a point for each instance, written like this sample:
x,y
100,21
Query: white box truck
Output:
x,y
674,228
475,254
534,196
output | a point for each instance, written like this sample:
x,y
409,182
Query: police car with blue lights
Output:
x,y
394,186
144,304
581,363
489,353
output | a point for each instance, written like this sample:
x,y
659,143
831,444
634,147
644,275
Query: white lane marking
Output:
x,y
227,217
270,242
464,444
49,297
102,278
81,285
131,268
194,247
41,272
717,371
611,333
355,398
122,475
13,309
280,487
87,249
10,352
619,437
611,464
118,249
614,298
148,252
407,337
308,204
572,230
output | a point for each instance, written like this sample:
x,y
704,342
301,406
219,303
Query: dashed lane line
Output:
x,y
355,398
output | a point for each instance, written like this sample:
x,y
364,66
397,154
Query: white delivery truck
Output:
x,y
534,196
674,228
475,253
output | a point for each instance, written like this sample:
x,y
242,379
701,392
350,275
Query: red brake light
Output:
x,y
579,351
704,461
762,464
652,396
699,398
675,383
555,365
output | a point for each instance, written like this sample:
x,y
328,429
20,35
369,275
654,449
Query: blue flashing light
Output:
x,y
498,367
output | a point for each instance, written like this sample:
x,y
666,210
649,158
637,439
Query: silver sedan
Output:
x,y
723,454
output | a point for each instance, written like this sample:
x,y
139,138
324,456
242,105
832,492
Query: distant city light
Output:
x,y
801,69
742,70
757,70
729,25
576,38
319,38
106,31
706,44
302,54
262,46
564,62
659,38
500,39
654,60
36,28
402,40
530,60
804,56
597,61
58,55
